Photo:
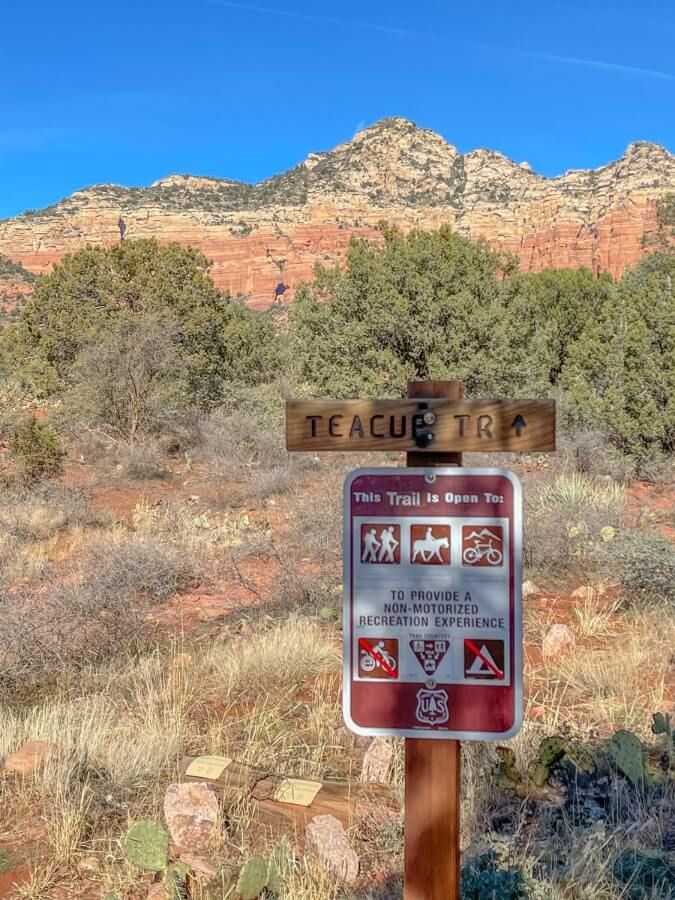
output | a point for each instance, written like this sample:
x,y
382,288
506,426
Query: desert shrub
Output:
x,y
99,611
486,878
90,292
140,565
570,522
140,461
37,510
237,448
36,449
134,381
424,305
645,562
576,491
620,372
592,453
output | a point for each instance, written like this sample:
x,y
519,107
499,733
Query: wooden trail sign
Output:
x,y
435,425
426,424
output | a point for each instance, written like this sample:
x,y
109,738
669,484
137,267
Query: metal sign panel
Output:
x,y
432,604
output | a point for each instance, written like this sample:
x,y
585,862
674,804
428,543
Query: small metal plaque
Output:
x,y
211,767
297,791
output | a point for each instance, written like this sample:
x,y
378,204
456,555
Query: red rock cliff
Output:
x,y
275,231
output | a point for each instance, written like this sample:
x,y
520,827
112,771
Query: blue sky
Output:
x,y
129,92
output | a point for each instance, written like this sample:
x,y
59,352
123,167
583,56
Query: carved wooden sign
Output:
x,y
432,425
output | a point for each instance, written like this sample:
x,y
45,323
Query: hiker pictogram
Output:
x,y
381,544
482,545
430,544
429,653
484,659
378,658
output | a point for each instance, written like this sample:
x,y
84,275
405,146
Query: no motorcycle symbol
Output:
x,y
378,658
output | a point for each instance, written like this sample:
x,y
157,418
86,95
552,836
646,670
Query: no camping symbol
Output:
x,y
484,659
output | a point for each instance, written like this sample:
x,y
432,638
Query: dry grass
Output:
x,y
615,682
269,696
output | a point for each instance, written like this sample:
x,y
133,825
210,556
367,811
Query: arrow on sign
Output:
x,y
518,423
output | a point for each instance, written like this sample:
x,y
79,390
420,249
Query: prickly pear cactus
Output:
x,y
279,864
147,845
176,881
507,765
663,724
538,773
551,750
626,751
581,758
252,878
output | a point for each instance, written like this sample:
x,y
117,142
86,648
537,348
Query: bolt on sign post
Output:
x,y
432,581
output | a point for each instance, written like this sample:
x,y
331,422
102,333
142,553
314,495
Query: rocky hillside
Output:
x,y
260,235
15,283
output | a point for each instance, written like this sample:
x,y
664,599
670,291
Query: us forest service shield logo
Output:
x,y
432,707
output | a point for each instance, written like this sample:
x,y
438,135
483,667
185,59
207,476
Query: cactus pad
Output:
x,y
507,764
661,724
551,750
581,758
538,774
175,881
252,878
147,845
626,751
280,861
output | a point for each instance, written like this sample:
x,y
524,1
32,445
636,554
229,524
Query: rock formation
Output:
x,y
274,232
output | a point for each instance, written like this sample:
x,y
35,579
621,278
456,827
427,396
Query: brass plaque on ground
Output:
x,y
208,767
297,791
514,426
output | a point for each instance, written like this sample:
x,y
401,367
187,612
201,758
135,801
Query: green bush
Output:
x,y
645,562
36,450
89,293
485,878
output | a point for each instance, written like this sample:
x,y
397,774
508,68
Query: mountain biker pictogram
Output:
x,y
482,545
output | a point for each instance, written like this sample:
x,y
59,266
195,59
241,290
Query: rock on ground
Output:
x,y
530,588
377,761
558,640
191,813
29,758
327,842
201,867
157,892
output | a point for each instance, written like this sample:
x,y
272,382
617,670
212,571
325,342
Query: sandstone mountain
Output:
x,y
273,232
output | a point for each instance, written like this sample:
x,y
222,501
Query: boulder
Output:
x,y
559,639
201,867
191,813
377,761
157,892
327,841
530,589
29,758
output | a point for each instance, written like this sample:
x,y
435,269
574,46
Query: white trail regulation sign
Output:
x,y
432,618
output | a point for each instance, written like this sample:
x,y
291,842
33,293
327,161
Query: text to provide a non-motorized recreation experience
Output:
x,y
432,603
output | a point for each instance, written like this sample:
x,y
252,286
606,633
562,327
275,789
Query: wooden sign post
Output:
x,y
472,693
433,770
